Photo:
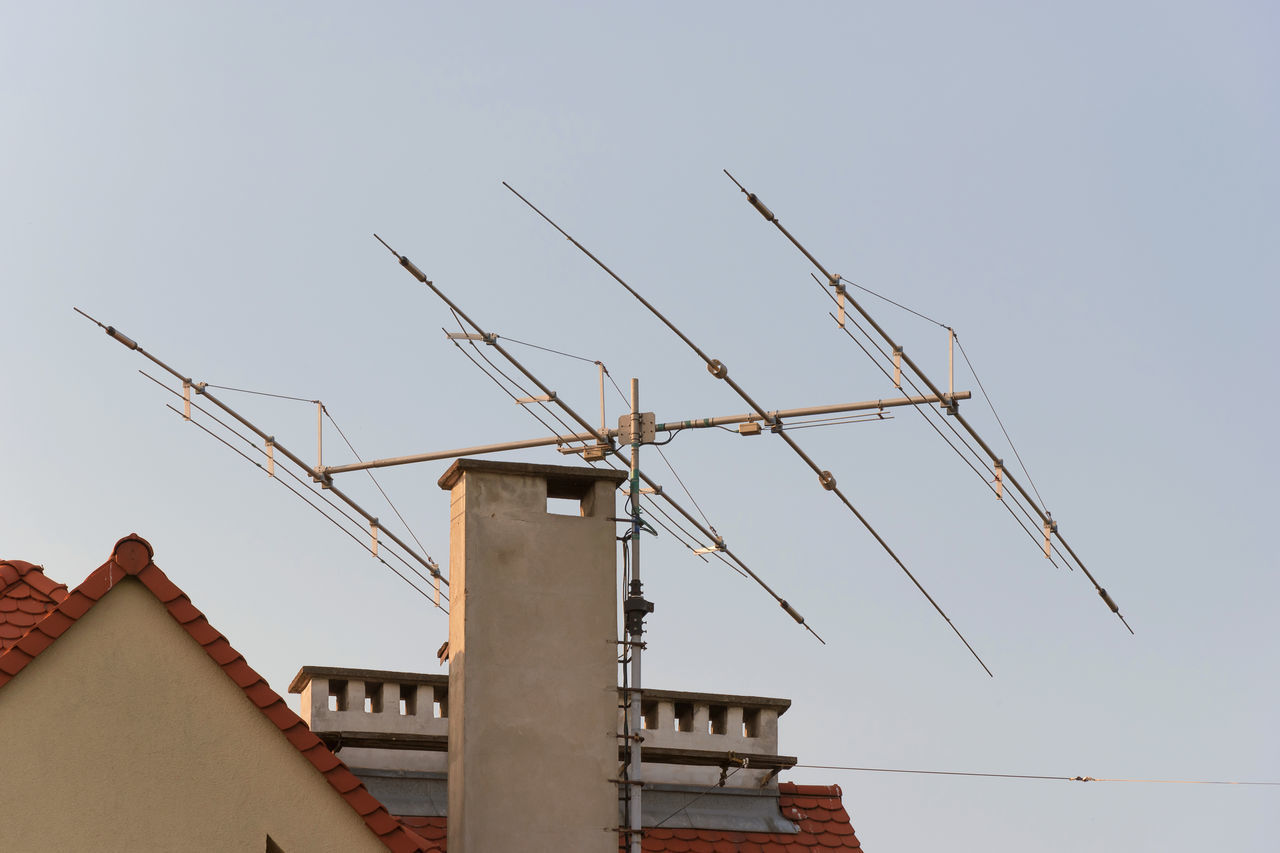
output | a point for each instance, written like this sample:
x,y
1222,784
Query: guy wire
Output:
x,y
369,471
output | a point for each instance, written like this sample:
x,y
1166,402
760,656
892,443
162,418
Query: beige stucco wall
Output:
x,y
125,736
533,694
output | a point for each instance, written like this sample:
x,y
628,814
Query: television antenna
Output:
x,y
622,445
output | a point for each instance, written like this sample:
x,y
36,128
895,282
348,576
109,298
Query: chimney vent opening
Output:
x,y
751,722
372,697
337,695
684,716
564,506
717,720
408,700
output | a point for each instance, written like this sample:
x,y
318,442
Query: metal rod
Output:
x,y
1044,516
320,435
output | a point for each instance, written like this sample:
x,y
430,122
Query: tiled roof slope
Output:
x,y
824,825
26,595
132,557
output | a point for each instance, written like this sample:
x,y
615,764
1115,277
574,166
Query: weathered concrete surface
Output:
x,y
533,660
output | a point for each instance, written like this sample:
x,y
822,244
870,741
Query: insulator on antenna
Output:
x,y
828,480
122,338
1114,607
791,611
1050,527
717,369
999,479
373,529
759,205
413,270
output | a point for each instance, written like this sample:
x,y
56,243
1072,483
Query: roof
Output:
x,y
824,825
26,595
132,557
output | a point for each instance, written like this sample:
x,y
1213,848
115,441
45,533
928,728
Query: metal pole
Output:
x,y
634,612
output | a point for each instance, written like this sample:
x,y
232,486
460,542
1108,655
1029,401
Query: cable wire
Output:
x,y
261,393
549,349
368,471
992,406
1029,776
697,797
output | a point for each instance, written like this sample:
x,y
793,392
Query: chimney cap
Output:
x,y
562,480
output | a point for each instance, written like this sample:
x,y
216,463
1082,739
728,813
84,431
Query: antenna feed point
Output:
x,y
717,369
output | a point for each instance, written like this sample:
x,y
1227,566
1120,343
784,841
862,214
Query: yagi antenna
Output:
x,y
720,371
604,445
272,447
1002,473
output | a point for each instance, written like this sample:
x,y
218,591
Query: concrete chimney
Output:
x,y
533,747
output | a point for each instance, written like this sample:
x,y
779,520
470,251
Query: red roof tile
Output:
x,y
26,595
132,557
824,825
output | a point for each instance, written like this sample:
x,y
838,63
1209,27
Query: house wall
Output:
x,y
125,735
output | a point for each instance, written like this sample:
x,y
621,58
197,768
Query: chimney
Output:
x,y
533,746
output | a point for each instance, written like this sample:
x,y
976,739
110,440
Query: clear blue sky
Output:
x,y
1088,193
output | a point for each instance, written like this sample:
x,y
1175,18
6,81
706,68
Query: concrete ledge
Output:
x,y
565,481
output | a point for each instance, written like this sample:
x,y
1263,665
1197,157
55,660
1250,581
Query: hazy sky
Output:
x,y
1088,193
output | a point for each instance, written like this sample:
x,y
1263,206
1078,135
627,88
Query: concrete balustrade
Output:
x,y
378,702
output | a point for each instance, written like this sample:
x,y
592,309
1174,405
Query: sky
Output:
x,y
1088,194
